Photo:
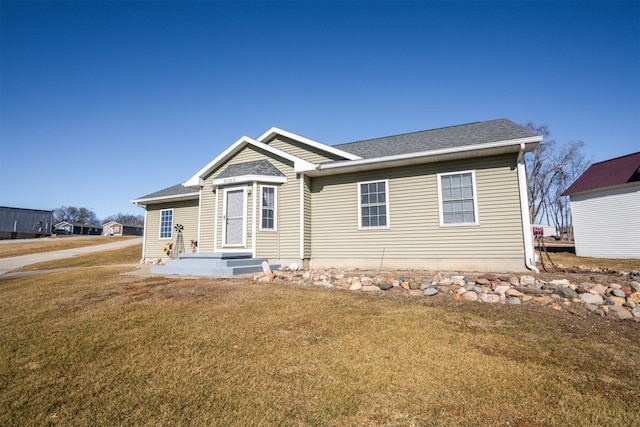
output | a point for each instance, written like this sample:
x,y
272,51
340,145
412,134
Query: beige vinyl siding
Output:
x,y
185,213
415,230
302,151
283,243
606,223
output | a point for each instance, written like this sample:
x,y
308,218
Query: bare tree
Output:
x,y
551,168
126,219
73,214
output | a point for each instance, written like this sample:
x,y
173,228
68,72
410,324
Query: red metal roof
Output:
x,y
608,173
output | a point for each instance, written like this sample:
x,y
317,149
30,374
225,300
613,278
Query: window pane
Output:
x,y
373,208
457,201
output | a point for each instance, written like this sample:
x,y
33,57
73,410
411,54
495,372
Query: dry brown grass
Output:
x,y
94,347
570,260
126,255
16,248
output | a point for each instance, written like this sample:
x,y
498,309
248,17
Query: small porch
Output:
x,y
212,264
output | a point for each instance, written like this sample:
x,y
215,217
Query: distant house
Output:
x,y
605,204
448,198
65,227
18,223
113,228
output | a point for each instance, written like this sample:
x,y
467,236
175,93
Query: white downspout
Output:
x,y
301,230
529,260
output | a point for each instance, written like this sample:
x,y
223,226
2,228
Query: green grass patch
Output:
x,y
95,347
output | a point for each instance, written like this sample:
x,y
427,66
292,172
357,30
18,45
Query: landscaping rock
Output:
x,y
618,293
618,312
592,299
566,293
513,300
430,292
490,298
470,296
385,286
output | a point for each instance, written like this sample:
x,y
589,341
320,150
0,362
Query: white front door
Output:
x,y
234,217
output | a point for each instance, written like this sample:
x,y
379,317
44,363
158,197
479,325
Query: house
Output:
x,y
451,198
605,206
19,223
65,227
113,228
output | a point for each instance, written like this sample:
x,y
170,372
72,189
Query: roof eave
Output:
x,y
432,156
601,189
163,199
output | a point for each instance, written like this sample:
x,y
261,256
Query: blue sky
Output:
x,y
104,102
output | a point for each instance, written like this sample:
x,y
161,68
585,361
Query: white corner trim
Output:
x,y
199,221
310,142
301,216
254,208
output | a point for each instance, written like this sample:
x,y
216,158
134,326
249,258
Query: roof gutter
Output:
x,y
432,153
529,255
162,199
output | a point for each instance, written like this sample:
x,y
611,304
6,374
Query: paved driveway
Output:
x,y
8,264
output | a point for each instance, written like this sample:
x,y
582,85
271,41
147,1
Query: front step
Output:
x,y
212,264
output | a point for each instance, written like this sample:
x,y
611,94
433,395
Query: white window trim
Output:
x,y
275,208
170,228
475,200
386,188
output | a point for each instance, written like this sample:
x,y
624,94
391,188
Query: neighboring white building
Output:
x,y
605,204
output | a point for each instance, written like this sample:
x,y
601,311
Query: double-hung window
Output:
x,y
458,199
166,223
373,204
268,208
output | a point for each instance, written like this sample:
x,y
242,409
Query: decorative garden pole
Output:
x,y
179,242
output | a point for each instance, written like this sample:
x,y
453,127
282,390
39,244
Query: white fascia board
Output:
x,y
163,199
530,144
310,142
197,180
250,178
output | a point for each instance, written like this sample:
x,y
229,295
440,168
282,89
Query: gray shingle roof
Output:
x,y
437,139
258,167
174,190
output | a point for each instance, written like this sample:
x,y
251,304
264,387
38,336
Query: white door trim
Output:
x,y
244,217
